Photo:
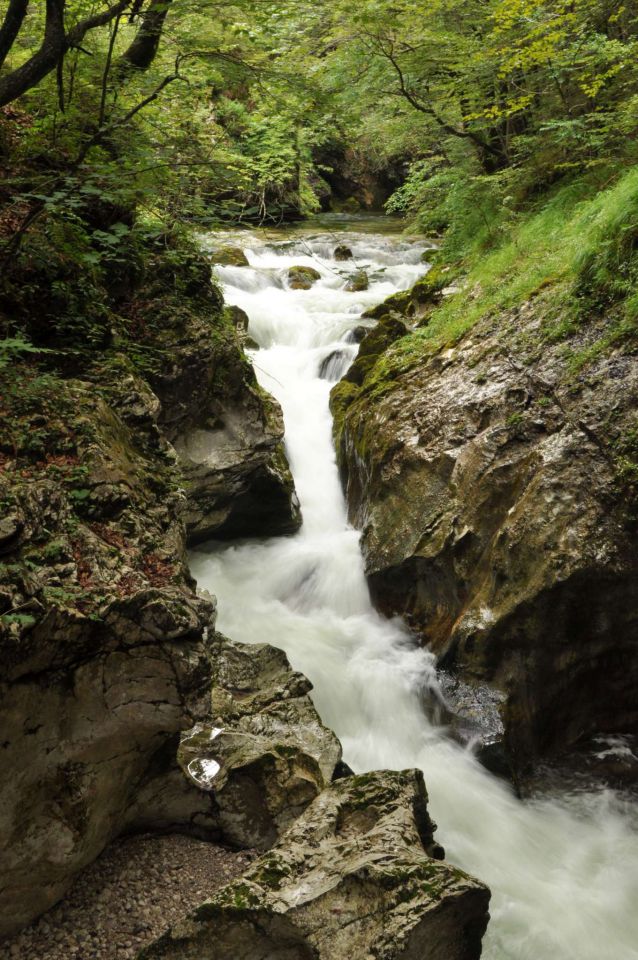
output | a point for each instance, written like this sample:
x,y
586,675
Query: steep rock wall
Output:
x,y
492,483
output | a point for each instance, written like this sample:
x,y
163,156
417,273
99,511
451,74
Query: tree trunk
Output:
x,y
56,42
142,51
10,28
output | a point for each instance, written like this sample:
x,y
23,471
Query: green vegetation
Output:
x,y
507,127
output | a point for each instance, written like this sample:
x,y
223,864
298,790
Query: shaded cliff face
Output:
x,y
104,650
493,487
105,645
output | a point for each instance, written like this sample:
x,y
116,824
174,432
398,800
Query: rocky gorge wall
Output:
x,y
491,481
122,710
106,647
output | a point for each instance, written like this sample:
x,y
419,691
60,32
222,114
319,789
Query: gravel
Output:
x,y
131,894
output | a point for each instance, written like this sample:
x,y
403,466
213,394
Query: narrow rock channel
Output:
x,y
560,866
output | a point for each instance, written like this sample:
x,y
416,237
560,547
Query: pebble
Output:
x,y
127,898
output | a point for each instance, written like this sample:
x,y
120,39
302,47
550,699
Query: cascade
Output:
x,y
561,866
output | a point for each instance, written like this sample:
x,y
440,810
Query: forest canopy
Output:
x,y
188,111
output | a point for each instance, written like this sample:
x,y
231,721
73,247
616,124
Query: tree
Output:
x,y
62,32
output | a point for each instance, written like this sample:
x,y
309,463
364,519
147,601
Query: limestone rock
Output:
x,y
238,482
266,755
358,282
353,877
302,278
488,482
229,256
226,430
104,650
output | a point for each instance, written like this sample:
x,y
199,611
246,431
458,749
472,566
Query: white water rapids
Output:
x,y
563,870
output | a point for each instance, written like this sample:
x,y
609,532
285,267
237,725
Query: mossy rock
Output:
x,y
302,278
229,257
342,252
238,317
360,281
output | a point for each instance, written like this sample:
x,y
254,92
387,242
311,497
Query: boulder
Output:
x,y
227,431
229,257
266,755
238,482
342,252
353,877
357,334
239,319
493,489
358,282
302,278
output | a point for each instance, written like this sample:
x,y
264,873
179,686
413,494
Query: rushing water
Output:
x,y
563,870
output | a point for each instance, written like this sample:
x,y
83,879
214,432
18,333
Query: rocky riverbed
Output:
x,y
128,897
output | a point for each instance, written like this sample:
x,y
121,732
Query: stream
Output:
x,y
562,866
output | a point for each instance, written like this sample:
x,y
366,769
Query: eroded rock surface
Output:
x,y
354,877
266,755
105,656
228,433
492,485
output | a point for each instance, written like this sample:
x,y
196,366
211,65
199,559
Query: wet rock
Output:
x,y
417,303
229,257
357,334
342,252
472,713
376,340
227,432
239,318
106,659
302,278
266,755
353,877
488,485
238,482
358,282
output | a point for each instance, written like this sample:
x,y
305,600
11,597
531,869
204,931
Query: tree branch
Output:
x,y
429,110
55,44
13,19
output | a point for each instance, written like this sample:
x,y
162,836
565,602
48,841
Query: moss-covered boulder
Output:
x,y
358,282
266,755
229,256
417,302
342,252
302,278
354,877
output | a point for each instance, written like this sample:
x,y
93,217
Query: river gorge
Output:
x,y
561,863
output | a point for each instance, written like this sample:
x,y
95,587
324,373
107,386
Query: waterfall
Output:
x,y
562,868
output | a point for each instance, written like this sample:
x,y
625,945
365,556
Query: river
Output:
x,y
563,868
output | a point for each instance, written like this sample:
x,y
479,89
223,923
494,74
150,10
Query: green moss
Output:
x,y
271,872
302,278
229,256
625,454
